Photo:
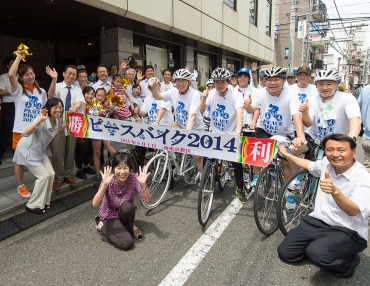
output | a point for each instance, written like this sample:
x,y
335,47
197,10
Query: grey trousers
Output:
x,y
41,192
63,153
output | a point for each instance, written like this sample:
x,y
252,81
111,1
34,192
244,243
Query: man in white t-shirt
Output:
x,y
166,84
143,80
277,108
185,101
226,109
246,89
302,88
159,112
8,109
290,79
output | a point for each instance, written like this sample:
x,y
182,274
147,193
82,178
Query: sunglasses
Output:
x,y
211,86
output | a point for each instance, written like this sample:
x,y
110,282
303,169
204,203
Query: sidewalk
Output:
x,y
10,201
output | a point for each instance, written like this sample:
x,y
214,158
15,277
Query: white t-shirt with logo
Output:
x,y
165,87
27,107
138,100
247,117
276,112
151,106
303,93
345,108
223,110
184,105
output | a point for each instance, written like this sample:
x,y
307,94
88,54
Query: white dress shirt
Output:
x,y
100,84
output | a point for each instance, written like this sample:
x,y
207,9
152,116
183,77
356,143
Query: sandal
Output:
x,y
47,207
138,234
99,224
36,210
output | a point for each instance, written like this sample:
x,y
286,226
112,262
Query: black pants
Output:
x,y
238,173
328,247
119,232
7,122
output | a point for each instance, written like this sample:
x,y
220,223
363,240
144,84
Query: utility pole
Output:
x,y
364,73
292,36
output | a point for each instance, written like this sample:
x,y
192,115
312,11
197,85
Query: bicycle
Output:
x,y
293,205
266,193
214,170
164,166
248,173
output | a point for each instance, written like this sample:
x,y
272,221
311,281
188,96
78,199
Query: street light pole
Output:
x,y
292,36
339,58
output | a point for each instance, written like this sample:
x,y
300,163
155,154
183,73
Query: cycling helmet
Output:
x,y
244,71
221,74
210,81
275,71
328,74
182,74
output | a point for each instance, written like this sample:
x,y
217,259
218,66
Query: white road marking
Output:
x,y
185,267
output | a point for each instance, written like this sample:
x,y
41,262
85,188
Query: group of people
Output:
x,y
330,237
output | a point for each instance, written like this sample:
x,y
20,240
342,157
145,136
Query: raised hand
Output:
x,y
19,55
124,64
247,102
139,76
142,176
44,114
106,177
327,185
304,107
205,94
52,72
254,67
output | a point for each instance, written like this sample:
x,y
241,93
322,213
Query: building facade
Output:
x,y
202,34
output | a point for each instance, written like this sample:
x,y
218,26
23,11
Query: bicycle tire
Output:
x,y
192,172
159,166
247,183
205,193
221,174
108,162
265,209
288,218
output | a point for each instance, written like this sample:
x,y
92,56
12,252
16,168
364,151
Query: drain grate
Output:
x,y
8,228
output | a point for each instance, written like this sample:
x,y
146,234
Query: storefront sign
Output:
x,y
247,150
302,29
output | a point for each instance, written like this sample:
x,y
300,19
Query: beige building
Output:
x,y
203,34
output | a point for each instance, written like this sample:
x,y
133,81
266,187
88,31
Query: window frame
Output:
x,y
255,12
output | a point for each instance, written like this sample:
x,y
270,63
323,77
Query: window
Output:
x,y
268,17
329,59
231,4
253,12
286,53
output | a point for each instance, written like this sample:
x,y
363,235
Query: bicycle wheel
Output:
x,y
108,162
290,211
221,168
247,178
191,169
158,180
205,193
265,201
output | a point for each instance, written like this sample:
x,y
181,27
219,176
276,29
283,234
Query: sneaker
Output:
x,y
80,174
24,192
241,196
290,201
296,184
228,177
254,181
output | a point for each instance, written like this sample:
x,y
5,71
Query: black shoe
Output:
x,y
88,170
80,174
351,269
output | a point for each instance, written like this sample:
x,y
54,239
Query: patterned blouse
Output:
x,y
116,194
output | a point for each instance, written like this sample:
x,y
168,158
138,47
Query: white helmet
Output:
x,y
328,74
182,74
275,71
210,81
221,74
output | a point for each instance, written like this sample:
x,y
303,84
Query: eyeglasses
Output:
x,y
211,86
274,79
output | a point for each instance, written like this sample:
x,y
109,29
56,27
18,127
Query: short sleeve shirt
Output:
x,y
184,105
303,93
354,184
116,195
223,110
345,106
276,112
76,93
5,85
246,91
27,107
151,106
